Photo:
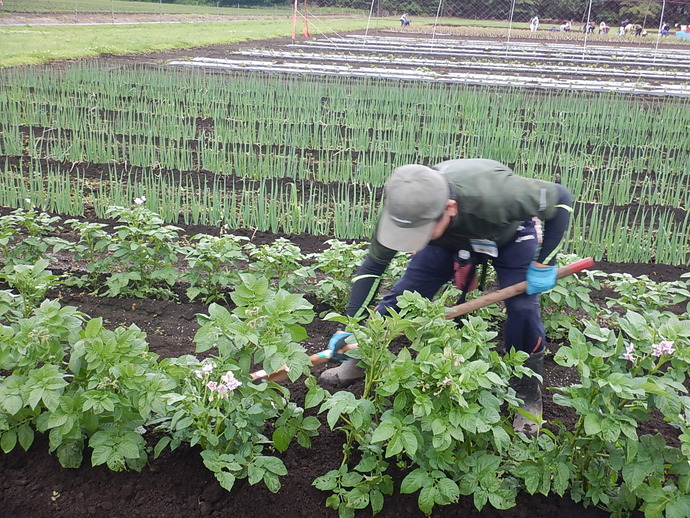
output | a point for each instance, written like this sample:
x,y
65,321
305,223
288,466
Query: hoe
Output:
x,y
454,312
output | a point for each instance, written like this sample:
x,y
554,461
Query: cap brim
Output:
x,y
403,239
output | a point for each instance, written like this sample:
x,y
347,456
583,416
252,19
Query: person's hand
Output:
x,y
540,278
336,343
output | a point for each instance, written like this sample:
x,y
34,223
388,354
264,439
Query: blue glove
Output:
x,y
540,279
336,343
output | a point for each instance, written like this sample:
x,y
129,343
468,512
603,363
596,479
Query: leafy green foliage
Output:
x,y
31,281
25,237
263,329
634,292
92,248
227,414
337,264
563,306
627,372
142,253
213,266
281,261
435,406
439,407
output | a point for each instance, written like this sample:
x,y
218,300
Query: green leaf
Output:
x,y
160,446
395,446
226,480
8,441
328,481
281,438
592,425
255,473
679,508
101,455
193,293
376,500
70,455
93,327
272,482
383,432
427,499
634,474
358,498
25,434
415,480
274,465
409,440
368,463
351,479
449,489
12,403
531,475
315,395
344,511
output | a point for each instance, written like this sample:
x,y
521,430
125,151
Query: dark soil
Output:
x,y
32,484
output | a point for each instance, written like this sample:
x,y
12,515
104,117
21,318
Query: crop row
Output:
x,y
626,232
612,151
159,112
439,408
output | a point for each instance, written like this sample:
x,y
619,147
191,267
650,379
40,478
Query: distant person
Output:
x,y
623,27
603,28
566,26
534,24
404,22
665,29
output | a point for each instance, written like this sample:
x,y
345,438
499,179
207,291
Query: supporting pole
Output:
x,y
306,21
589,14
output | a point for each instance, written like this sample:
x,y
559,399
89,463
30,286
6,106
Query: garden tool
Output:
x,y
456,311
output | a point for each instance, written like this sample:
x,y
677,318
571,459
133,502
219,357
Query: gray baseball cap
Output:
x,y
415,196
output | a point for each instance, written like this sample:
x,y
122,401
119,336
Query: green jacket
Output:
x,y
492,203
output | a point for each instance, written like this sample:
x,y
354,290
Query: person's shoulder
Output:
x,y
465,166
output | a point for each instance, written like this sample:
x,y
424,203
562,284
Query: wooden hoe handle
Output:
x,y
515,289
456,311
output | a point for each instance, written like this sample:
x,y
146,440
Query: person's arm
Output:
x,y
555,228
542,274
365,285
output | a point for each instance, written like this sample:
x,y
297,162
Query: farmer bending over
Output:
x,y
442,213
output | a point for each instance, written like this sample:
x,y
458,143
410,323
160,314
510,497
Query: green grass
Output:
x,y
107,6
31,45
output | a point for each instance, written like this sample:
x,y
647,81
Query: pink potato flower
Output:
x,y
230,381
663,347
628,353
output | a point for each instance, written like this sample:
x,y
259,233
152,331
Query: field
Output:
x,y
253,154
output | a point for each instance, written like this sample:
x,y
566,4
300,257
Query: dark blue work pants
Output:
x,y
432,267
